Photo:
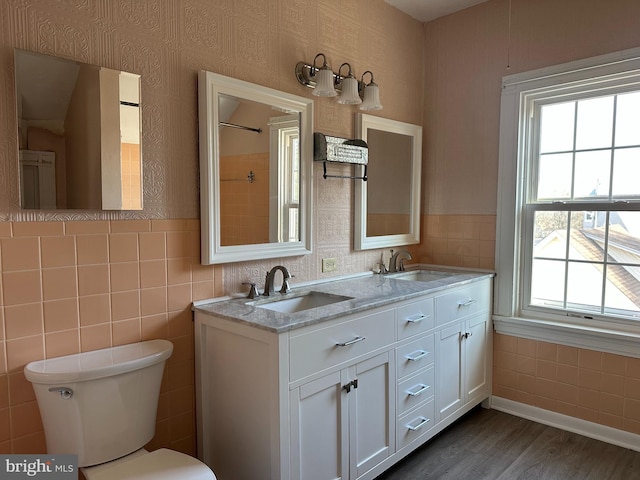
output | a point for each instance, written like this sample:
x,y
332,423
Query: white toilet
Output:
x,y
102,406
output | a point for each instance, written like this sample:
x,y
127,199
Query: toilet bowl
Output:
x,y
102,406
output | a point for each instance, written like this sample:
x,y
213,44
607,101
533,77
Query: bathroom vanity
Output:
x,y
346,388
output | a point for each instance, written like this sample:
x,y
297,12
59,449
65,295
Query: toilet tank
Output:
x,y
100,405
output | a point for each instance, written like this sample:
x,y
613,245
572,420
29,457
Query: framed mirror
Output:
x,y
256,151
390,215
79,130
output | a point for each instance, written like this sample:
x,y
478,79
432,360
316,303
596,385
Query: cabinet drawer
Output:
x,y
415,318
415,390
463,302
414,355
415,423
326,347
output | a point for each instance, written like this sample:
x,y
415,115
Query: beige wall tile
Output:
x,y
93,279
152,246
123,247
179,297
22,351
59,283
5,229
23,320
135,226
33,443
21,287
154,326
37,229
25,419
125,305
20,254
4,391
86,227
124,276
168,225
20,388
153,300
58,251
60,315
178,271
95,337
126,331
94,309
153,273
66,342
92,249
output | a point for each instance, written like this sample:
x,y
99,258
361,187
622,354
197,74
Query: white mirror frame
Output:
x,y
361,241
210,86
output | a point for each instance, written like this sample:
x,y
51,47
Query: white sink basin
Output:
x,y
301,302
422,275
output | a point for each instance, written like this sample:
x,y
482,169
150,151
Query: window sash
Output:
x,y
609,74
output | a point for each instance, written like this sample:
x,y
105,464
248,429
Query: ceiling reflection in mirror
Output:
x,y
79,133
259,172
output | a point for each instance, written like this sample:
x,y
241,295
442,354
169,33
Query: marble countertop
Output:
x,y
364,292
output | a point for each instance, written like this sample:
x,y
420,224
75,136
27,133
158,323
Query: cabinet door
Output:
x,y
449,365
371,413
319,429
476,346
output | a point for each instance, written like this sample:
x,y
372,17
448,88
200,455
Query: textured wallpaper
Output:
x,y
168,41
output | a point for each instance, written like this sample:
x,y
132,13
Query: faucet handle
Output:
x,y
253,291
286,288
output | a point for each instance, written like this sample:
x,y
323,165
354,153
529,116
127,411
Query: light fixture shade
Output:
x,y
349,95
371,98
324,83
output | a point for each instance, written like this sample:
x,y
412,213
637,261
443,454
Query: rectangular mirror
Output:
x,y
390,215
79,133
256,147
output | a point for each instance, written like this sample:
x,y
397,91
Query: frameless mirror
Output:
x,y
256,146
79,135
387,205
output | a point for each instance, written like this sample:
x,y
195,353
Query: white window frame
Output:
x,y
601,73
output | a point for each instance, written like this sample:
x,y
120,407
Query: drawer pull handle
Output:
x,y
423,422
417,318
418,355
468,303
350,342
421,389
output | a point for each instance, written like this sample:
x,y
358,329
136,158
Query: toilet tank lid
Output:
x,y
96,364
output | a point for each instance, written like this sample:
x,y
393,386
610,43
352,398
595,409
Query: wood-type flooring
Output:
x,y
491,445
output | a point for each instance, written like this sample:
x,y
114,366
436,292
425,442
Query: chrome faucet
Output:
x,y
268,282
396,262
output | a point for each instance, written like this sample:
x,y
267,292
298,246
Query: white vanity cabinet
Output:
x,y
344,398
463,365
342,423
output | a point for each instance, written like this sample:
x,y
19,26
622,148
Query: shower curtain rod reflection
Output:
x,y
250,178
241,127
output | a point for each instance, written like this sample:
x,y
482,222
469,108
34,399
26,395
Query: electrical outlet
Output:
x,y
329,265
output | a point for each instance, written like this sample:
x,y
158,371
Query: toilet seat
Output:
x,y
162,464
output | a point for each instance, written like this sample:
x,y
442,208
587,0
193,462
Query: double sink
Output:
x,y
313,299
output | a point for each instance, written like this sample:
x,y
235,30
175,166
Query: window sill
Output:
x,y
611,341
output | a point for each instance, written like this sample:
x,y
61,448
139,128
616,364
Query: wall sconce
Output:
x,y
327,83
371,94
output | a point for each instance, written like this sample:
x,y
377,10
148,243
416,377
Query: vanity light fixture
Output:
x,y
327,83
371,94
349,94
324,78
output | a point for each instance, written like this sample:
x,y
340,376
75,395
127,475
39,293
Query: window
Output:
x,y
568,240
285,179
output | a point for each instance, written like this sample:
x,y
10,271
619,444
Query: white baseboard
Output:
x,y
570,424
